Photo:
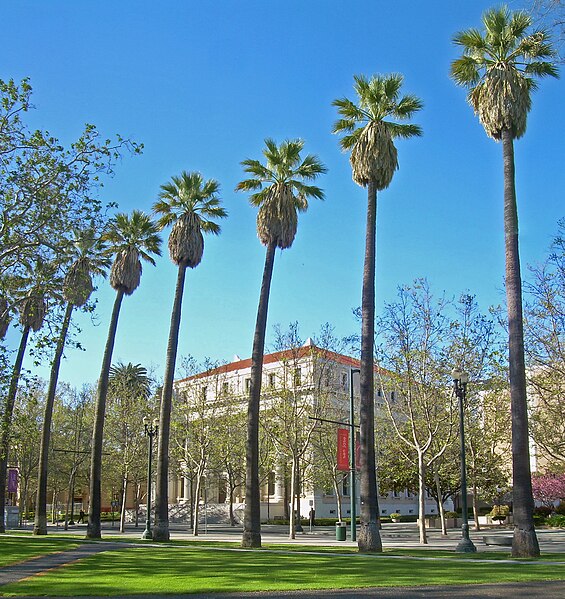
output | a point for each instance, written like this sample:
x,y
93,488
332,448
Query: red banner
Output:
x,y
342,449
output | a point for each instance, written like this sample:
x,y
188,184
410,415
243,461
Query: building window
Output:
x,y
271,483
225,388
392,396
379,392
297,377
247,385
328,377
345,485
271,380
204,392
344,381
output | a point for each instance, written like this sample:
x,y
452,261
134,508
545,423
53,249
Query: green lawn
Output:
x,y
188,569
16,549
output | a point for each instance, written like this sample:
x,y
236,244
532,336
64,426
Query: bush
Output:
x,y
499,512
557,521
543,511
560,509
450,514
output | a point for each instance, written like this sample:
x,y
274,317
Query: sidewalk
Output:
x,y
394,535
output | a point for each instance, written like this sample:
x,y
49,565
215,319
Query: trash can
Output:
x,y
340,531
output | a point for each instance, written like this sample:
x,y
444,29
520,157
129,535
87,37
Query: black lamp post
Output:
x,y
460,380
151,429
353,490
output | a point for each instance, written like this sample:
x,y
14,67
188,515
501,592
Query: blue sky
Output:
x,y
202,84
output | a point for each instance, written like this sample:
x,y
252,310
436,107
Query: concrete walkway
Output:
x,y
393,535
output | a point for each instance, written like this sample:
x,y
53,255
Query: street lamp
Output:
x,y
151,429
353,491
460,380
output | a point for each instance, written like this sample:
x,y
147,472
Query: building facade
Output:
x,y
306,397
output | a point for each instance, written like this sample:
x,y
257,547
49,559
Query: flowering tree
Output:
x,y
548,488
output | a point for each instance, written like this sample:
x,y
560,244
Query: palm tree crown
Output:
x,y
498,67
131,377
129,238
280,191
369,130
90,259
190,204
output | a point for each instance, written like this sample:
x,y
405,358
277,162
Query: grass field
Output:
x,y
13,549
187,568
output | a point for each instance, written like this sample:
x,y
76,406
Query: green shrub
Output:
x,y
543,511
499,512
451,514
557,521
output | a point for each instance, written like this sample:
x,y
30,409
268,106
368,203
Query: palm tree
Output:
x,y
280,192
32,313
369,134
498,67
129,238
129,387
190,205
90,260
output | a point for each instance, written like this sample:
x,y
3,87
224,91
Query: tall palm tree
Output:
x,y
498,67
280,192
129,238
89,260
129,387
369,128
32,313
190,205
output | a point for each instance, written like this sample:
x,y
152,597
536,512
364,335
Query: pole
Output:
x,y
353,490
465,545
150,431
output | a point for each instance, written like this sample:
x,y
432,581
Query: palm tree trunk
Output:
x,y
369,539
7,423
93,528
161,526
252,516
40,524
525,542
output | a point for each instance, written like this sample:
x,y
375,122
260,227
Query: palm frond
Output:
x,y
471,40
308,191
349,111
404,131
542,69
407,106
466,71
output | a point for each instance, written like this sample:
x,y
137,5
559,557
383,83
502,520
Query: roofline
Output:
x,y
279,356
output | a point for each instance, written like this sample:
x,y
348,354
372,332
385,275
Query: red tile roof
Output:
x,y
289,354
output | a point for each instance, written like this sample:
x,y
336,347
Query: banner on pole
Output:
x,y
342,449
12,480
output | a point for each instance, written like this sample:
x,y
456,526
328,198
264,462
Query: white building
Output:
x,y
318,381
